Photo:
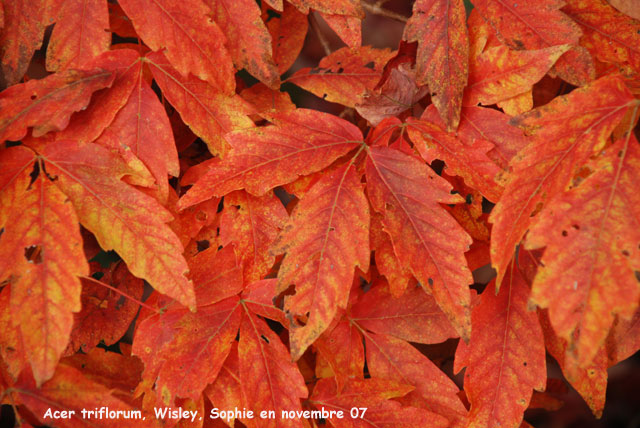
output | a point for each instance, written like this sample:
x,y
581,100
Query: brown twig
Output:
x,y
313,21
376,9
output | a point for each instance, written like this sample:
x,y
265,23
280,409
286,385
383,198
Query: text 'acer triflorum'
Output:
x,y
280,207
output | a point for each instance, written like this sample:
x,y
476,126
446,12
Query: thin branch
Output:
x,y
313,21
376,9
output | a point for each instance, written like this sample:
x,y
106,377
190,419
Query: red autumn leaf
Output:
x,y
404,190
347,27
442,59
342,348
47,104
194,43
586,276
566,132
79,35
371,399
343,77
20,35
500,73
209,112
248,40
256,161
42,251
252,223
90,177
469,161
288,33
505,359
326,237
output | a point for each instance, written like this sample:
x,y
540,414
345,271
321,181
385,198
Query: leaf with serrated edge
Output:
x,y
587,274
47,104
566,131
443,53
326,237
121,217
299,143
80,34
194,43
425,237
41,247
505,359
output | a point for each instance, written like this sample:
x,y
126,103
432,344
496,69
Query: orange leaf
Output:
x,y
299,143
395,359
567,130
500,73
505,358
141,128
20,36
587,274
288,32
348,28
194,43
79,35
269,379
345,75
371,399
47,104
414,316
252,223
443,50
41,249
608,34
425,238
326,237
337,7
184,351
209,112
248,40
90,177
469,161
342,348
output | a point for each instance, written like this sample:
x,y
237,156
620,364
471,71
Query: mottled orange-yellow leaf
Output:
x,y
299,143
252,223
247,38
41,254
209,112
47,104
566,132
90,177
489,125
106,314
342,348
193,42
79,35
216,274
338,7
505,359
387,262
470,161
609,35
69,389
12,353
414,316
500,73
184,351
348,28
226,392
270,380
345,75
374,396
141,128
589,381
592,238
87,125
394,359
517,104
426,239
20,36
288,32
266,100
326,237
442,60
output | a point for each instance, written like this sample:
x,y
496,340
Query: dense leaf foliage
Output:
x,y
184,225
